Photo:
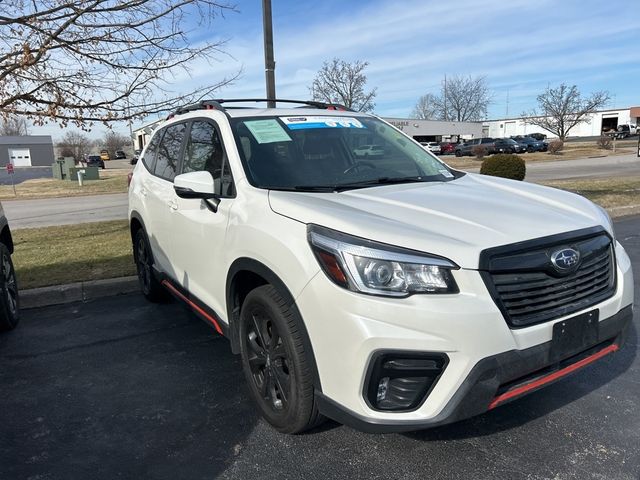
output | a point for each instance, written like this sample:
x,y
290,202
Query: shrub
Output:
x,y
504,165
604,142
479,151
556,146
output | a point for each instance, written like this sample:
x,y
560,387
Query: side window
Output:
x,y
150,153
169,149
205,152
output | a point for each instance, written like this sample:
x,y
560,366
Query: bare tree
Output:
x,y
74,144
13,126
461,99
562,108
100,60
343,83
113,141
428,107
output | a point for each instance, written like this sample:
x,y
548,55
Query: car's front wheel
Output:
x,y
275,362
9,298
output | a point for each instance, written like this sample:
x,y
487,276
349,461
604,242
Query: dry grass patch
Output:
x,y
72,253
48,187
619,195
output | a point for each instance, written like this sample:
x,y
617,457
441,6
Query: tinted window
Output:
x,y
205,152
150,153
168,154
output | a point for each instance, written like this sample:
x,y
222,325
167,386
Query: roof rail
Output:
x,y
216,104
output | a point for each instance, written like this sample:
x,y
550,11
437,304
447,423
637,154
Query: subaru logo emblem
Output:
x,y
565,260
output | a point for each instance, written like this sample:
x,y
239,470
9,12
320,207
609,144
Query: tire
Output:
x,y
142,255
9,296
458,153
275,362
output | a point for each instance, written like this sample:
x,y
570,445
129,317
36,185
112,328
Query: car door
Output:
x,y
161,199
199,231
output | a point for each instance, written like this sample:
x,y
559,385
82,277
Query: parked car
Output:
x,y
538,136
508,145
120,155
9,294
104,155
369,151
136,155
447,148
624,131
95,161
433,147
466,149
388,295
530,144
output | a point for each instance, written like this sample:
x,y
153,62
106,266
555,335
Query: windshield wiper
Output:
x,y
362,184
379,181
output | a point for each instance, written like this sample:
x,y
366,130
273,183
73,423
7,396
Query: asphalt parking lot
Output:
x,y
120,388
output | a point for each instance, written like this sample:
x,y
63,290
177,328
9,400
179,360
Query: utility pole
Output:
x,y
446,114
269,62
507,111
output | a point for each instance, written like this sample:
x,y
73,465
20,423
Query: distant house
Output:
x,y
26,151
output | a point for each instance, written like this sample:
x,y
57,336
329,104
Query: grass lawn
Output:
x,y
619,195
111,181
72,253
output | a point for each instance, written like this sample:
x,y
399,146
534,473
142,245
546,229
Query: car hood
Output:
x,y
456,219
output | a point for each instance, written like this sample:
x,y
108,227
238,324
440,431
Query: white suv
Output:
x,y
390,294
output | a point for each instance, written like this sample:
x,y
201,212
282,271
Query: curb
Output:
x,y
77,292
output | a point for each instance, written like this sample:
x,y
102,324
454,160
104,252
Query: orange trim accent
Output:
x,y
204,314
553,376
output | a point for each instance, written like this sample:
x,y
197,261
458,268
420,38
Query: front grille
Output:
x,y
529,290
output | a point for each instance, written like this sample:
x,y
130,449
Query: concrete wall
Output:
x,y
40,149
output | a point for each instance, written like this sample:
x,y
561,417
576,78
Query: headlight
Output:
x,y
369,267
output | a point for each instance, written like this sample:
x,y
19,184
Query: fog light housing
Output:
x,y
401,381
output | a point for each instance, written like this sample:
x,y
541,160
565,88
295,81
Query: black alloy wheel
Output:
x,y
268,360
276,362
9,296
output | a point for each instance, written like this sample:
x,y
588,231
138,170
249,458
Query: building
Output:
x,y
598,121
26,151
420,130
436,130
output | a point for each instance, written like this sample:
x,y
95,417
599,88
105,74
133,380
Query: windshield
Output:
x,y
323,152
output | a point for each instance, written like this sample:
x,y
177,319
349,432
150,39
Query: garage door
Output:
x,y
20,157
509,128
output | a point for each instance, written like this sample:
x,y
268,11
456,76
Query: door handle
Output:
x,y
173,205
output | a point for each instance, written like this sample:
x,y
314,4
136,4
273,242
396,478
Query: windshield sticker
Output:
x,y
267,131
299,123
446,173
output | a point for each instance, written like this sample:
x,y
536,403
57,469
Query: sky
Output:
x,y
520,46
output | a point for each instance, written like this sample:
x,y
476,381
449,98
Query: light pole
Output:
x,y
269,62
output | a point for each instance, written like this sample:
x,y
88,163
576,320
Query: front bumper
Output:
x,y
484,354
479,391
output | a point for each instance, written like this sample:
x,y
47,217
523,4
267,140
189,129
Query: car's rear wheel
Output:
x,y
149,285
458,153
9,297
275,362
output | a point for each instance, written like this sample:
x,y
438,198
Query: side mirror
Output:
x,y
199,185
